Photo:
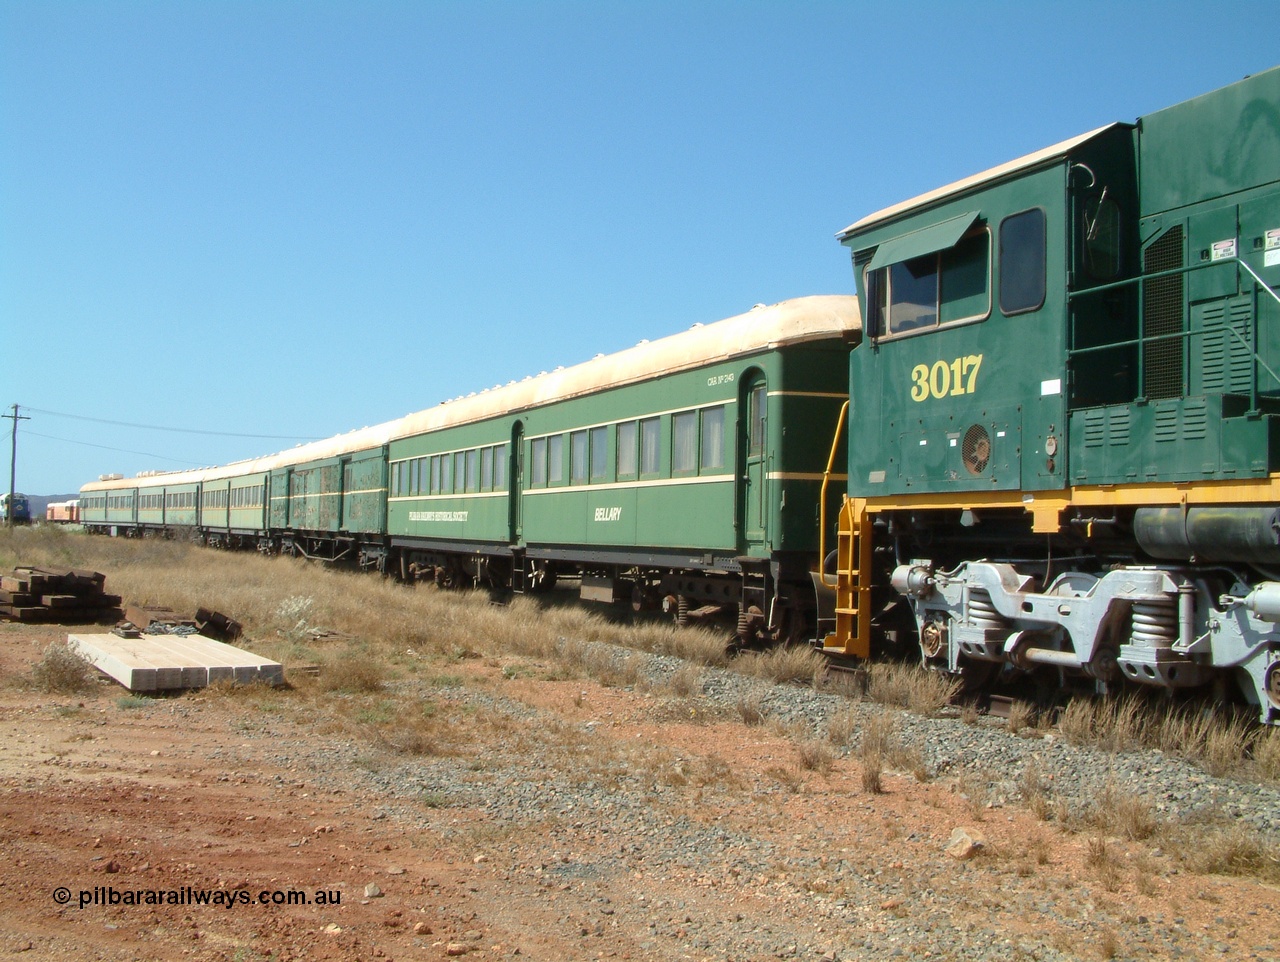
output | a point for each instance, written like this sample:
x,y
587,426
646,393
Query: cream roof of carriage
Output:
x,y
796,321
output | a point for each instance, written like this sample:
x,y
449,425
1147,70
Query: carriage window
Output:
x,y
446,474
486,469
599,453
500,467
650,437
1022,262
684,441
555,459
473,470
627,449
578,457
539,458
755,421
712,438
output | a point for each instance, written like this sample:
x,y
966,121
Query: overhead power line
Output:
x,y
156,427
90,444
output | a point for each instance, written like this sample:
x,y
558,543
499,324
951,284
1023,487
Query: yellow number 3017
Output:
x,y
945,378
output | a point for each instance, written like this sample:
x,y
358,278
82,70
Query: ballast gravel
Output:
x,y
615,843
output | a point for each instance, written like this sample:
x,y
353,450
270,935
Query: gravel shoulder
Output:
x,y
554,818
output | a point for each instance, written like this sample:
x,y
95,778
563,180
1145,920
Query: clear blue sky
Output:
x,y
298,218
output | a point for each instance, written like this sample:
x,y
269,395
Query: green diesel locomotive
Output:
x,y
1064,425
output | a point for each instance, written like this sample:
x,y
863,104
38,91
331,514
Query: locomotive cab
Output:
x,y
966,384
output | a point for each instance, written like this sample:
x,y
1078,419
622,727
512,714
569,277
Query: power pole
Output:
x,y
15,417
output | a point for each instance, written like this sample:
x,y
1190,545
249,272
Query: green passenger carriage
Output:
x,y
685,471
681,471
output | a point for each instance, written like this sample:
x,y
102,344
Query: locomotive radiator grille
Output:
x,y
1162,364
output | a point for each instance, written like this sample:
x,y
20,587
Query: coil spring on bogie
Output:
x,y
1155,623
982,613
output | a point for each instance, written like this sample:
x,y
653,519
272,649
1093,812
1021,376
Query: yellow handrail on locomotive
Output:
x,y
822,500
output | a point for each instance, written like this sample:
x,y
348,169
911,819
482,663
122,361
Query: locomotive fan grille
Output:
x,y
1161,315
975,450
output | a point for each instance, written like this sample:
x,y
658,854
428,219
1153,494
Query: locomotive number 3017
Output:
x,y
945,378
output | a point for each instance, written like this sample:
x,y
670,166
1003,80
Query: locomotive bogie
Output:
x,y
1160,627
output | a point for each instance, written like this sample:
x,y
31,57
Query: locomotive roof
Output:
x,y
796,321
932,197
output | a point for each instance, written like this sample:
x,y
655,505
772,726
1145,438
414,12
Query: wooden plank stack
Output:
x,y
63,595
166,662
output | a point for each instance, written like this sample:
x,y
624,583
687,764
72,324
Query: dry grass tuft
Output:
x,y
975,788
1218,742
815,756
872,772
1035,791
1102,859
880,741
1076,721
790,778
1021,717
910,687
1224,747
842,726
1120,812
686,681
63,670
1108,944
781,665
1234,850
1266,755
751,709
354,672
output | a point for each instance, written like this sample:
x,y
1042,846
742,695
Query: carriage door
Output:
x,y
515,476
755,477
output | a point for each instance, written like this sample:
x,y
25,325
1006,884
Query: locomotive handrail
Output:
x,y
822,500
1143,339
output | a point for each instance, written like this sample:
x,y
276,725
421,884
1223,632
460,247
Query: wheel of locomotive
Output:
x,y
975,677
1273,683
796,628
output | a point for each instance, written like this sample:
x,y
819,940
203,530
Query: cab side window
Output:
x,y
1022,262
942,287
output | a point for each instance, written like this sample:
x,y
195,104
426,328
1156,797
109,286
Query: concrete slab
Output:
x,y
167,662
